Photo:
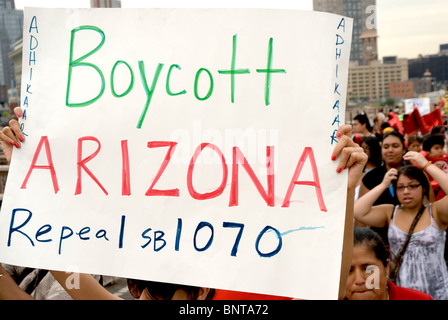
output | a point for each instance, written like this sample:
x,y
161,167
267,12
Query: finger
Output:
x,y
15,127
18,112
391,171
344,142
345,129
7,136
357,158
349,157
391,175
412,155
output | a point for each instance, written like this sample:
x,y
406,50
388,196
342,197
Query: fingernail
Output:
x,y
333,158
338,170
338,134
11,143
19,115
17,145
20,139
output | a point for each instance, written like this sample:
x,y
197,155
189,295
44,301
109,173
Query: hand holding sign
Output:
x,y
12,135
351,155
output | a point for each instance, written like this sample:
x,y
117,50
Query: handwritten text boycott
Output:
x,y
187,146
150,89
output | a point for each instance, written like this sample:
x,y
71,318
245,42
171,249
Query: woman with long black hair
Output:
x,y
416,228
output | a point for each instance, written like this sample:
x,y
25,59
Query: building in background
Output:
x,y
401,90
11,28
105,3
370,81
434,66
16,57
390,70
363,14
444,48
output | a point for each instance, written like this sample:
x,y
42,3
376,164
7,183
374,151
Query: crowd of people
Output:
x,y
396,221
402,199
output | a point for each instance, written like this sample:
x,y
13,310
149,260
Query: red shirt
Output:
x,y
400,293
395,293
237,295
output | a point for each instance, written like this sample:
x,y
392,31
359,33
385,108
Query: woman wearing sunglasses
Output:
x,y
416,228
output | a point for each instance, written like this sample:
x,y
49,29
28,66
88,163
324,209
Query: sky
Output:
x,y
406,28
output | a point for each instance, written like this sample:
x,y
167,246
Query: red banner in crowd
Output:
x,y
414,121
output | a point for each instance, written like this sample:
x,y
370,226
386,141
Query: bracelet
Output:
x,y
426,165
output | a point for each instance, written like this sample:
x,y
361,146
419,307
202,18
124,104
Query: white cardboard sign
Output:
x,y
422,104
182,145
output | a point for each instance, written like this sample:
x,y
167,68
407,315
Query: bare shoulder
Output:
x,y
439,211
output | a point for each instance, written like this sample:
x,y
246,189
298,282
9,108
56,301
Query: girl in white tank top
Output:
x,y
423,267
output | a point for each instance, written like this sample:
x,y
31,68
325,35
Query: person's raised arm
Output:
x,y
9,290
368,214
353,157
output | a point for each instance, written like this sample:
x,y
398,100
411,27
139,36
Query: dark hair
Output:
x,y
431,141
162,290
395,134
413,172
437,130
363,119
373,242
375,149
414,138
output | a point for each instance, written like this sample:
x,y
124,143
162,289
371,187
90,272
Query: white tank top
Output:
x,y
423,267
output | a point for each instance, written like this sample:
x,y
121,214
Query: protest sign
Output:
x,y
422,104
183,146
